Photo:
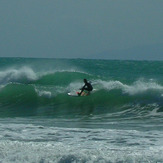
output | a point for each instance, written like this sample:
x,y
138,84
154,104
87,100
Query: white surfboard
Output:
x,y
73,94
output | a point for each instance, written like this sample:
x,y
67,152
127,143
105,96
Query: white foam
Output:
x,y
75,86
14,75
43,93
142,86
139,86
48,144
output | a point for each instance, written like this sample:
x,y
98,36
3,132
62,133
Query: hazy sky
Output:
x,y
110,29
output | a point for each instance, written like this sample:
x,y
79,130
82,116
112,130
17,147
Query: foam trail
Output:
x,y
47,94
74,86
44,93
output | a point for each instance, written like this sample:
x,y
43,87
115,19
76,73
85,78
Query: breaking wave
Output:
x,y
25,88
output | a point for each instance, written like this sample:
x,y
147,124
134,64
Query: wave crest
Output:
x,y
137,87
24,74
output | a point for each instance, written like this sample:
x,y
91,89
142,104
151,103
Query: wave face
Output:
x,y
39,87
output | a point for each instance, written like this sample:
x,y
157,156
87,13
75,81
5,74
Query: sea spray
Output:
x,y
137,87
23,74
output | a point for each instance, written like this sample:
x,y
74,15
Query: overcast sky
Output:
x,y
105,29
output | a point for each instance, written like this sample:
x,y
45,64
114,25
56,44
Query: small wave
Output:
x,y
47,94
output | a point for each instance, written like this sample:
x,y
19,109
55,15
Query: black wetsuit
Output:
x,y
87,87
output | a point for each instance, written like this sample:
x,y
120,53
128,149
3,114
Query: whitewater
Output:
x,y
121,121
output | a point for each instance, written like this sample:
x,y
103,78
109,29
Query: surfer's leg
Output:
x,y
85,93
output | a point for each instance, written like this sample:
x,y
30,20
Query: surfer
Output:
x,y
87,86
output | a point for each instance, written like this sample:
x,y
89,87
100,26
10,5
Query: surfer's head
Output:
x,y
85,80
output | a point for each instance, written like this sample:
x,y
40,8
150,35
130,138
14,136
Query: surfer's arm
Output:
x,y
82,89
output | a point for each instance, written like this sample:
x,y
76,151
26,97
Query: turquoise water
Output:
x,y
121,121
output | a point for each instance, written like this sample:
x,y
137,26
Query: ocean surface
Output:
x,y
120,122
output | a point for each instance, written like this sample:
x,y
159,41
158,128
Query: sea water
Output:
x,y
120,122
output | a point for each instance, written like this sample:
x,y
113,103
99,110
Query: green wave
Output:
x,y
24,100
62,78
